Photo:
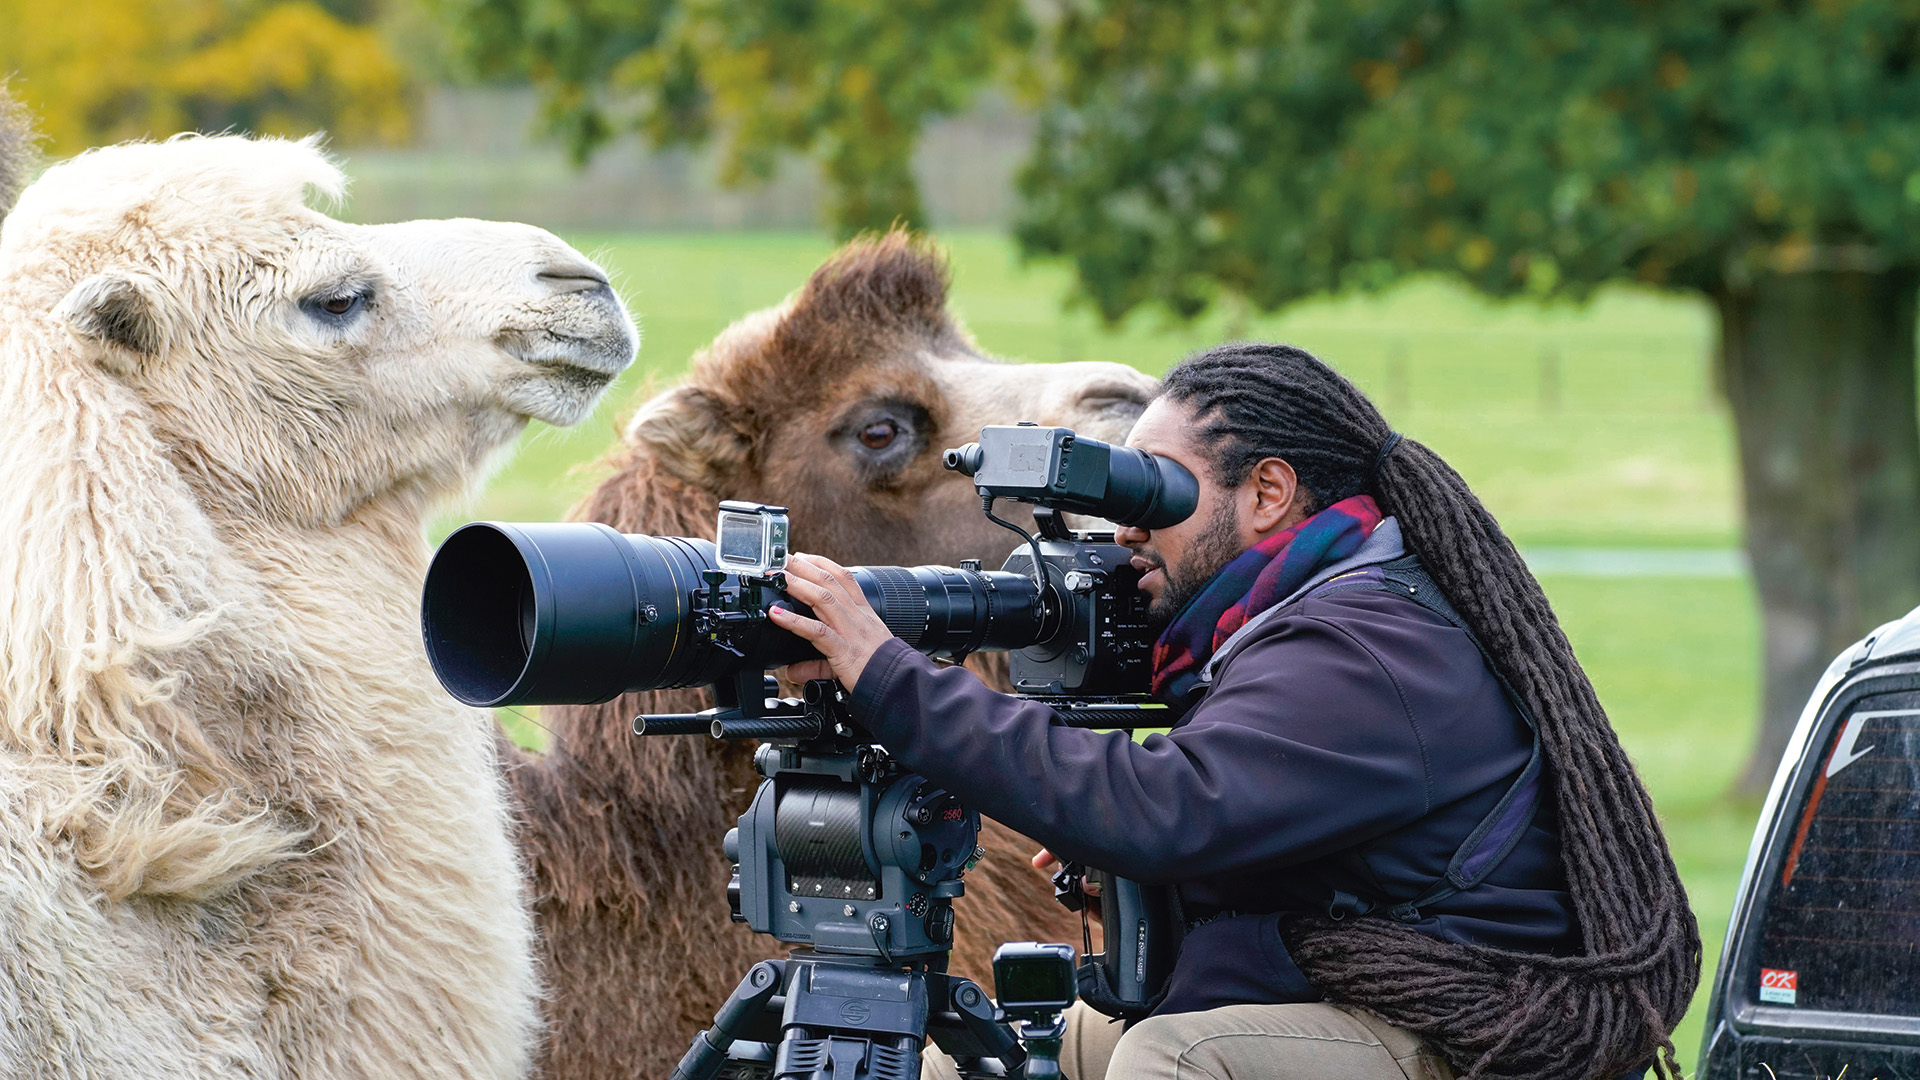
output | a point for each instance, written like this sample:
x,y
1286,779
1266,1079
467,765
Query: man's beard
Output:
x,y
1216,545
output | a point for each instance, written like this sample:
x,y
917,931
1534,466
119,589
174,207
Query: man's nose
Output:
x,y
1130,535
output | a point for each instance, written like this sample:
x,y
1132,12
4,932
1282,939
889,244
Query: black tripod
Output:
x,y
832,1018
849,855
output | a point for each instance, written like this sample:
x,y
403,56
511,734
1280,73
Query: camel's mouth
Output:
x,y
607,351
567,359
556,391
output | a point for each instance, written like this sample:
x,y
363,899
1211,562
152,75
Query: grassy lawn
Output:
x,y
1592,426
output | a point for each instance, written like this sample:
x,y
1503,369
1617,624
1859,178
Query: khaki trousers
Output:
x,y
1239,1042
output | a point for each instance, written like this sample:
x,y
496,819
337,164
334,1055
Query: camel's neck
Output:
x,y
346,598
375,560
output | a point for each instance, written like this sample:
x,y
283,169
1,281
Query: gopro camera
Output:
x,y
751,538
1034,981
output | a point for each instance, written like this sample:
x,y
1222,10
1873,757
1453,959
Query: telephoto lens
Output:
x,y
555,614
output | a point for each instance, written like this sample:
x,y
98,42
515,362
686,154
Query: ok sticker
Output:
x,y
1779,987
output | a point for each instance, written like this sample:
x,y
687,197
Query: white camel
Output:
x,y
242,832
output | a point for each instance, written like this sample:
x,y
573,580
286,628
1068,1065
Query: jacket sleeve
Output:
x,y
1304,746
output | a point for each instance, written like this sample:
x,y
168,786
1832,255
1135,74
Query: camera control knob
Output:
x,y
1081,582
940,925
970,564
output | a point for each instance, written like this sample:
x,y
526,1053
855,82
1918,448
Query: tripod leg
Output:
x,y
709,1050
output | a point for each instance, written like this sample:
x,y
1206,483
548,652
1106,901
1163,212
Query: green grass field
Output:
x,y
1591,426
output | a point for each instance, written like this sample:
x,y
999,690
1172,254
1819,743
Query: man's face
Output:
x,y
1178,561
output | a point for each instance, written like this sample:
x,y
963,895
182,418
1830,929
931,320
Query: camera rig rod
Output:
x,y
750,708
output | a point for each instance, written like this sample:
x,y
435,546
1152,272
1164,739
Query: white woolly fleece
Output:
x,y
242,831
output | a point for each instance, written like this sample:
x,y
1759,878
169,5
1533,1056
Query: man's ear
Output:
x,y
1275,491
120,312
692,434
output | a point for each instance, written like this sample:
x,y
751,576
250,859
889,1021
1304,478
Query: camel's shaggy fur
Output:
x,y
242,833
623,834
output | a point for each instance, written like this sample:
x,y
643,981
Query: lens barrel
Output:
x,y
552,614
1147,491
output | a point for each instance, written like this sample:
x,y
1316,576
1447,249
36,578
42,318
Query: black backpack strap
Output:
x,y
1489,844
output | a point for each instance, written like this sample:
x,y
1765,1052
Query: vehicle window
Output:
x,y
1842,930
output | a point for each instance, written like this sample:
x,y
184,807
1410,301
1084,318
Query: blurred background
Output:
x,y
1644,274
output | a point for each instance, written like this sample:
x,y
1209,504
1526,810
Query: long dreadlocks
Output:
x,y
1493,1013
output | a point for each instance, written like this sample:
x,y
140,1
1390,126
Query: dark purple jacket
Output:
x,y
1350,741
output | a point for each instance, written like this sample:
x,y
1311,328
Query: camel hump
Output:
x,y
17,149
877,285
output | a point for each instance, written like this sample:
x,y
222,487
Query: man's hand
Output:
x,y
1047,862
845,628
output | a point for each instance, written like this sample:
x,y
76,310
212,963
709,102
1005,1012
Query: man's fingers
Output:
x,y
1044,860
826,564
808,670
811,629
809,592
814,596
804,565
819,582
842,577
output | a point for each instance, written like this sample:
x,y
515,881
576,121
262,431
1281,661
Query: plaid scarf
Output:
x,y
1258,578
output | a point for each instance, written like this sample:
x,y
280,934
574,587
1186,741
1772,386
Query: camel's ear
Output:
x,y
692,433
120,312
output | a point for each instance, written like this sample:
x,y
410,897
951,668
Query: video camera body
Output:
x,y
843,850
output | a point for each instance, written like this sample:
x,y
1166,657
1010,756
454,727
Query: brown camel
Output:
x,y
837,405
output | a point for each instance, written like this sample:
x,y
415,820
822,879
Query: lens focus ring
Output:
x,y
903,602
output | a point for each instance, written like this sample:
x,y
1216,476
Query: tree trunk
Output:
x,y
1819,370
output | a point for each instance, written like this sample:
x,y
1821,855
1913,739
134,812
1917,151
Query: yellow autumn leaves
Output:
x,y
96,71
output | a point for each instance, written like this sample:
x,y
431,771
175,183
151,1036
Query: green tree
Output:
x,y
849,82
1763,153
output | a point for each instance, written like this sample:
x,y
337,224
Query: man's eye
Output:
x,y
879,436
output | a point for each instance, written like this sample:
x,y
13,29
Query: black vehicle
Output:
x,y
1821,970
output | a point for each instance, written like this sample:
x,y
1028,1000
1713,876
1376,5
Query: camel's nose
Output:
x,y
575,278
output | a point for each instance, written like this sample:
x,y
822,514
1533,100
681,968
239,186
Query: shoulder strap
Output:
x,y
1489,844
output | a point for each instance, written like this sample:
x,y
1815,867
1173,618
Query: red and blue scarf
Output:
x,y
1258,578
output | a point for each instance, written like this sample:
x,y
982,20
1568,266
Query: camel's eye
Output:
x,y
879,436
883,437
336,308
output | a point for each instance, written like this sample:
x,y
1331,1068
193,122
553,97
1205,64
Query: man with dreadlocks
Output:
x,y
1401,834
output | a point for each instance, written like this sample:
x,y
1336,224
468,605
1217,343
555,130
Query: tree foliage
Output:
x,y
97,71
1278,150
1765,153
849,82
